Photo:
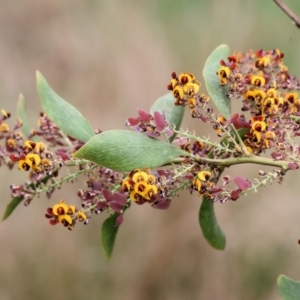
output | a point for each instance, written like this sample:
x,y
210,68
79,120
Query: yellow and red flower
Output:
x,y
223,74
258,80
141,185
65,214
201,183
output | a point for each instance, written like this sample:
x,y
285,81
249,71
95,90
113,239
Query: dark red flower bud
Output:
x,y
235,194
53,222
14,157
49,210
170,87
222,63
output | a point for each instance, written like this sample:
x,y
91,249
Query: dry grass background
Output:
x,y
108,58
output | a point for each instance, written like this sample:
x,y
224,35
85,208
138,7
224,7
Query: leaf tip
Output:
x,y
21,96
211,230
280,278
223,246
39,76
5,215
107,256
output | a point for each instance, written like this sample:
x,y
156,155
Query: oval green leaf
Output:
x,y
108,234
65,116
289,289
209,225
217,92
174,114
22,115
125,150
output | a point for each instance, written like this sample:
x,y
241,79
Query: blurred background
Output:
x,y
108,58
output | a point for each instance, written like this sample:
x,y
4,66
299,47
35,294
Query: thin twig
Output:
x,y
288,12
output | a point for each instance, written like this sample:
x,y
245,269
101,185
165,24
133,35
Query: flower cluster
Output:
x,y
141,186
31,156
267,91
44,160
65,214
13,138
28,154
185,90
269,94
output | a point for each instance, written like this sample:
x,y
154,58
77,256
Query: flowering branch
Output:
x,y
156,160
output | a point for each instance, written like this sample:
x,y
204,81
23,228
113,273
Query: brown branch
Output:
x,y
288,12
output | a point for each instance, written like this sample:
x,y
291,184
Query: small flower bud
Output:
x,y
173,75
261,173
209,110
226,179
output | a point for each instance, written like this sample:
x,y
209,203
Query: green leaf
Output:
x,y
207,217
65,116
17,200
174,114
11,206
217,92
125,150
108,234
209,225
289,289
22,115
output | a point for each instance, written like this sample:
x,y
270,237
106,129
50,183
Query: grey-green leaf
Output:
x,y
289,289
125,150
217,93
22,115
174,114
209,225
62,114
108,234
